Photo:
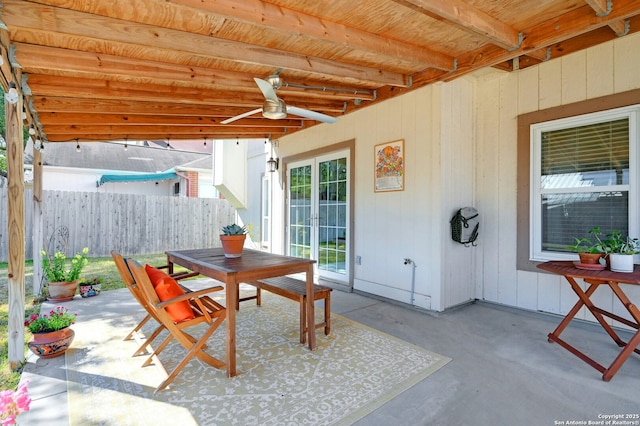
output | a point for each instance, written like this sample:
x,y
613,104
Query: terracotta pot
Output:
x,y
61,291
52,344
590,258
232,245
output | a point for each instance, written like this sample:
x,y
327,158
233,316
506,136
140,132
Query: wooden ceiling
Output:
x,y
174,69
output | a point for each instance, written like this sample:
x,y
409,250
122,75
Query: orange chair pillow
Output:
x,y
167,288
155,275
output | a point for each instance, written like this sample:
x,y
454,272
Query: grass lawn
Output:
x,y
102,267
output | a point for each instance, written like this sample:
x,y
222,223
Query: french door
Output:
x,y
318,219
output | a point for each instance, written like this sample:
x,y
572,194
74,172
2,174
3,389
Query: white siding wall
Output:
x,y
461,149
436,123
603,70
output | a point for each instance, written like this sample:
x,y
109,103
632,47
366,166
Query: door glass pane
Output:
x,y
332,199
300,212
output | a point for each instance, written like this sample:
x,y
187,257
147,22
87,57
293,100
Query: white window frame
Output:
x,y
536,130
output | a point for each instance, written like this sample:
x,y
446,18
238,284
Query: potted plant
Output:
x,y
588,251
622,251
232,239
90,288
63,273
51,333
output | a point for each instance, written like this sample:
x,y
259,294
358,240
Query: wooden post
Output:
x,y
37,220
15,228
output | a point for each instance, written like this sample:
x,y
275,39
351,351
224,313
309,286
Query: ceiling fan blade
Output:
x,y
267,90
311,114
243,115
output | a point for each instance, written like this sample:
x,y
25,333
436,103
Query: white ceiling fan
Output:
x,y
274,108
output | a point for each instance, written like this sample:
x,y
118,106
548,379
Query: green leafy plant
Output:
x,y
57,319
234,229
59,268
586,245
616,243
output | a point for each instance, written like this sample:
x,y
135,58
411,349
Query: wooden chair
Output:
x,y
205,310
130,283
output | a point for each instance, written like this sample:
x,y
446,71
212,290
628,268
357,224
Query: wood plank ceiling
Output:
x,y
175,69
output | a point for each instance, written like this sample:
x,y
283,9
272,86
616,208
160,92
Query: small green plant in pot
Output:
x,y
62,273
232,239
622,251
590,252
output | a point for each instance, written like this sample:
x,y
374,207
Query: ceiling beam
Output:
x,y
133,131
33,17
53,61
262,16
603,8
467,18
57,138
49,118
136,107
100,89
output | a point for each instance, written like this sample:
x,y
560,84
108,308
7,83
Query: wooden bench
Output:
x,y
295,290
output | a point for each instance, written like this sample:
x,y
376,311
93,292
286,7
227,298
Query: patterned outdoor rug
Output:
x,y
353,371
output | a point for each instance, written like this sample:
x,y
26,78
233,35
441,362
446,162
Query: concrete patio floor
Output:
x,y
504,372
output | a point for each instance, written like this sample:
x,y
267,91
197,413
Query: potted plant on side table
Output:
x,y
52,335
232,239
622,251
63,274
590,253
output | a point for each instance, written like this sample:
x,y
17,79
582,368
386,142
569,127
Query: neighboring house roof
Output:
x,y
113,156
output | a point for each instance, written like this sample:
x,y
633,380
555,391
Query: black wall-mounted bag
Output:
x,y
464,226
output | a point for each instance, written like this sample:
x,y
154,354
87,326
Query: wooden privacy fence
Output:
x,y
127,223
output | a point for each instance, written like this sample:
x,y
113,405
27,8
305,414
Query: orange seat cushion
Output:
x,y
167,288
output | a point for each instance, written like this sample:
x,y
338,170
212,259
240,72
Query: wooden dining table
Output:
x,y
253,265
595,278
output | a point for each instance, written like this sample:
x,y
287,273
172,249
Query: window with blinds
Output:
x,y
581,179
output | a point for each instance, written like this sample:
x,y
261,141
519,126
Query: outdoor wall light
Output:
x,y
126,144
272,164
77,145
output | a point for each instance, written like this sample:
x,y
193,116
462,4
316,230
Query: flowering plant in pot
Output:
x,y
62,273
232,239
51,333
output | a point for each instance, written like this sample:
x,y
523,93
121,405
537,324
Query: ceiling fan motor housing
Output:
x,y
274,110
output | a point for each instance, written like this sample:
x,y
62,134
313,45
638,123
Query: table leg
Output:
x,y
231,300
311,314
572,313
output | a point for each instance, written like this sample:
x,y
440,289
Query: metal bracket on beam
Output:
x,y
409,83
546,58
455,65
627,27
520,40
608,11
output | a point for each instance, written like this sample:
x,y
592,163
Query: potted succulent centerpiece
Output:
x,y
51,333
62,274
232,239
622,251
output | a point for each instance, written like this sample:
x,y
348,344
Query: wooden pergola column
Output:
x,y
15,228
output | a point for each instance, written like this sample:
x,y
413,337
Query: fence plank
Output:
x,y
128,223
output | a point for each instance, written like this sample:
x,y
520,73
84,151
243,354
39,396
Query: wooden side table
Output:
x,y
595,279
